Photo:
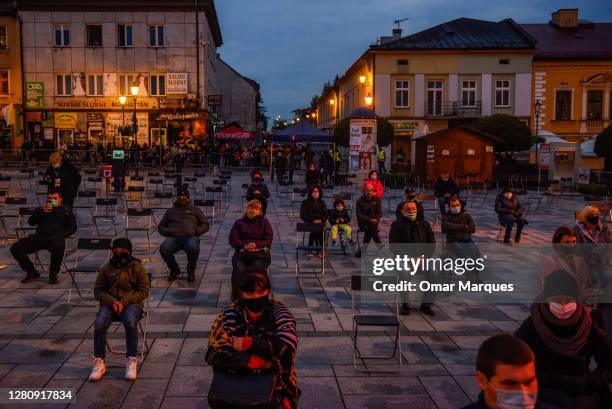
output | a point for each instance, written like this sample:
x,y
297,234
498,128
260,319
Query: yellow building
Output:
x,y
11,132
572,75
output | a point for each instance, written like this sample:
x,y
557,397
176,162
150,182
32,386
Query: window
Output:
x,y
3,41
125,36
563,105
434,97
504,61
125,82
62,35
157,84
401,94
63,85
4,82
594,104
95,85
156,36
502,93
94,36
468,93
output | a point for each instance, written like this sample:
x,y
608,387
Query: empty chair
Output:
x,y
89,245
135,194
85,200
208,208
105,210
139,220
300,245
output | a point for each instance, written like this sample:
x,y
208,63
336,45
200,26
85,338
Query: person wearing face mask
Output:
x,y
459,226
182,226
254,336
411,196
121,287
445,188
251,237
373,181
409,229
258,190
314,211
506,374
54,223
573,356
510,211
369,213
63,176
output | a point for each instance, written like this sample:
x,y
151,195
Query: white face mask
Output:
x,y
374,177
455,210
562,311
516,399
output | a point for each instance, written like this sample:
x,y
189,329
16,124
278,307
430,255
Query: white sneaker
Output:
x,y
131,368
98,370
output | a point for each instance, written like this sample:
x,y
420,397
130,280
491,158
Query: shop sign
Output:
x,y
545,156
65,120
35,95
114,121
214,100
169,103
48,134
95,117
105,103
405,126
217,123
431,153
179,116
176,83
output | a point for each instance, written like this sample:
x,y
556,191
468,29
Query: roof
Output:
x,y
302,131
251,82
207,6
477,132
588,41
465,34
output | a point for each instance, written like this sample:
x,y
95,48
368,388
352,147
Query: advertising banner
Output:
x,y
35,95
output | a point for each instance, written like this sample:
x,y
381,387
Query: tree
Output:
x,y
514,135
603,146
279,124
384,132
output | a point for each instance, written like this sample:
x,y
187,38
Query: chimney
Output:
x,y
397,33
565,18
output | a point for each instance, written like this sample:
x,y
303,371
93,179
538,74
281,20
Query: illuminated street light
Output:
x,y
369,100
332,101
134,90
362,79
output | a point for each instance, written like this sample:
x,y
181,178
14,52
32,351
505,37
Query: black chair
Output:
x,y
135,194
110,211
214,191
10,210
304,228
147,226
85,200
205,205
83,244
297,197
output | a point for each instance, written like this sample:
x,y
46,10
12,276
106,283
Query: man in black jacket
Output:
x,y
369,213
182,225
63,176
459,227
445,188
54,223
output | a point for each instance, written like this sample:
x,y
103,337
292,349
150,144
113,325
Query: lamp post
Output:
x,y
122,102
134,92
537,109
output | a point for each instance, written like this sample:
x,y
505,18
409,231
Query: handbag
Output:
x,y
247,256
230,390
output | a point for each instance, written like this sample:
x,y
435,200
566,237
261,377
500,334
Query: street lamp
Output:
x,y
134,92
362,79
122,102
369,100
537,109
332,101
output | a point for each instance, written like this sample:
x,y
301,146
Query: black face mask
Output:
x,y
119,259
256,305
593,219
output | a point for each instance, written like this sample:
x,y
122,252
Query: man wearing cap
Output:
x,y
121,287
181,226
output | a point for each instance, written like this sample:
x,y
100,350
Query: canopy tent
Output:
x,y
234,132
302,131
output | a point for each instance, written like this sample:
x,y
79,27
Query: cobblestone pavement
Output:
x,y
46,341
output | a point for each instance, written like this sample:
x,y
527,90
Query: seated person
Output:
x,y
339,219
314,211
445,188
182,226
369,213
121,287
573,356
256,332
251,237
506,374
510,211
54,223
258,190
410,196
459,227
373,181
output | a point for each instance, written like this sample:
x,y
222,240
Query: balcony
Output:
x,y
595,123
453,109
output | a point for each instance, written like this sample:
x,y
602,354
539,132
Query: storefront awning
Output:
x,y
234,132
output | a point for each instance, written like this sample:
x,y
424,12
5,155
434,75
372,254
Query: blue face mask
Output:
x,y
516,399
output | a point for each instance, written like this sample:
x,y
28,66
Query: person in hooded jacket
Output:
x,y
182,226
121,287
339,219
510,211
369,213
251,237
409,229
445,188
375,182
314,211
62,175
258,190
459,227
573,355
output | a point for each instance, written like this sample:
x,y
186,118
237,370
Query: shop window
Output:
x,y
95,85
125,35
3,41
63,85
4,82
156,36
563,105
157,84
94,36
62,35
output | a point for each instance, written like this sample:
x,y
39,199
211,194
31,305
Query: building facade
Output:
x,y
81,57
11,85
572,78
239,97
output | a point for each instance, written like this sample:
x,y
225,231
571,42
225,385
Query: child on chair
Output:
x,y
339,219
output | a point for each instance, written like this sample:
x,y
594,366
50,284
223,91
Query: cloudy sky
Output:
x,y
293,46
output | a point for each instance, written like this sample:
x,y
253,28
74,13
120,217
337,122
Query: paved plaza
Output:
x,y
46,341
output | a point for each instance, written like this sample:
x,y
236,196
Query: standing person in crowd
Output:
x,y
506,374
254,333
510,211
312,176
445,188
337,162
459,227
326,163
369,213
375,182
566,341
121,288
308,155
182,226
281,164
381,159
292,164
251,237
339,219
409,229
314,211
258,190
63,176
54,223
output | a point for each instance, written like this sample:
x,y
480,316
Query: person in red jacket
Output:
x,y
377,184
